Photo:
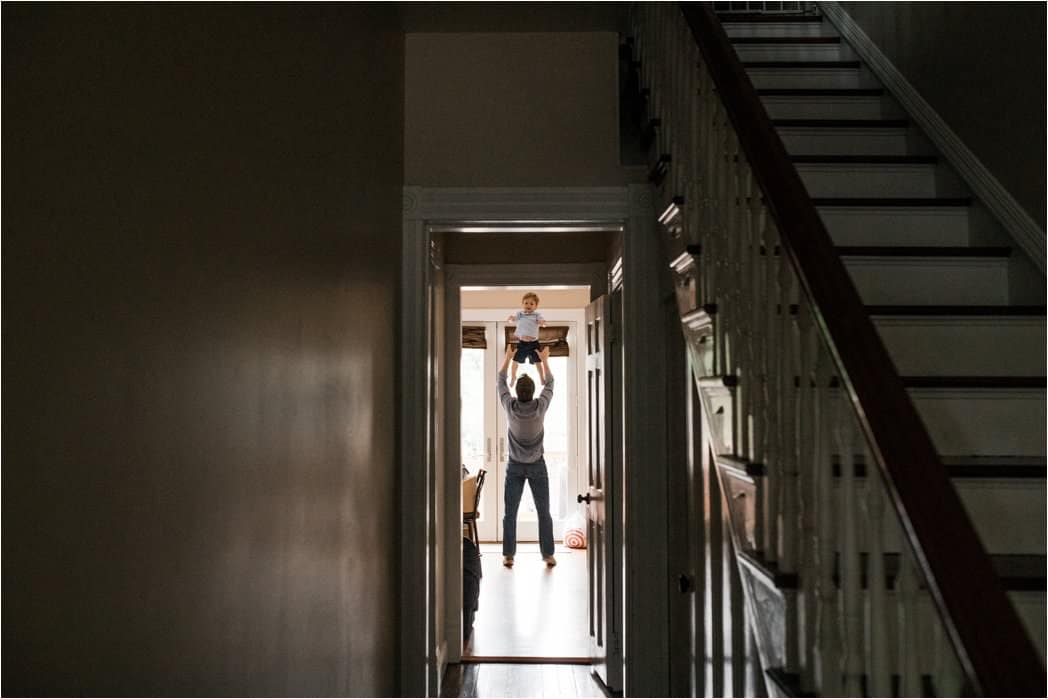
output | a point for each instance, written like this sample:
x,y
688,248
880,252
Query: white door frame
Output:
x,y
427,548
594,275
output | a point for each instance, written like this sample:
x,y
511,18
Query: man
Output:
x,y
525,416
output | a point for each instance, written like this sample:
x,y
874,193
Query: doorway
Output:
x,y
529,611
454,238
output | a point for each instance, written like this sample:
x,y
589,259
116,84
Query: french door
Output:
x,y
484,430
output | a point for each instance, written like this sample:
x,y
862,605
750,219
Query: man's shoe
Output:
x,y
507,561
550,561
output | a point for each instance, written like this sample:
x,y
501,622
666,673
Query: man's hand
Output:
x,y
544,354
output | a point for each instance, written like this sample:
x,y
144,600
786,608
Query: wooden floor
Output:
x,y
496,680
531,610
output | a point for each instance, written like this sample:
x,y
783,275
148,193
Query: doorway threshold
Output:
x,y
525,660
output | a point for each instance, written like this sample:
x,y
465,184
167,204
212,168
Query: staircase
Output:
x,y
835,544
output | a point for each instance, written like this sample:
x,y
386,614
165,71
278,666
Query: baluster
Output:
x,y
851,588
662,134
949,680
758,350
827,616
708,206
673,67
789,527
719,181
683,102
906,589
665,96
878,663
731,229
694,116
808,464
743,299
770,350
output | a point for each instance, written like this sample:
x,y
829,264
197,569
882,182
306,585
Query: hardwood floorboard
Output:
x,y
585,685
531,610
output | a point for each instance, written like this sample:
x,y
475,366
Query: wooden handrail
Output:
x,y
993,648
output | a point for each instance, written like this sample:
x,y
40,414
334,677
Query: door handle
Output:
x,y
587,498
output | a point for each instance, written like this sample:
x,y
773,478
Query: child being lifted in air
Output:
x,y
528,322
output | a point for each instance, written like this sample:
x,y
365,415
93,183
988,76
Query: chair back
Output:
x,y
471,490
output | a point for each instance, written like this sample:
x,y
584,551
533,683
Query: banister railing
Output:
x,y
768,304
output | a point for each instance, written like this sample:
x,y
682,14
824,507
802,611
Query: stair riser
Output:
x,y
985,422
1033,612
925,181
847,78
819,141
830,108
964,346
1001,511
897,225
929,281
779,29
794,52
1030,607
1009,515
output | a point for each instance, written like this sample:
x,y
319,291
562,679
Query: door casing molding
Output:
x,y
430,209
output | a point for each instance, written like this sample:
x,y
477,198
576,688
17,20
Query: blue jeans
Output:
x,y
538,480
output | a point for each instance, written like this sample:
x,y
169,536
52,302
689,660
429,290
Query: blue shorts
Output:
x,y
527,351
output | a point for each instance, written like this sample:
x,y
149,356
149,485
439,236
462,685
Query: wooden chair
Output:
x,y
471,489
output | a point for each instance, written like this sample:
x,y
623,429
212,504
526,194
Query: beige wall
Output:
x,y
513,109
981,67
510,299
514,16
201,211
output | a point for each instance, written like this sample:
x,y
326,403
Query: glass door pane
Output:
x,y
477,378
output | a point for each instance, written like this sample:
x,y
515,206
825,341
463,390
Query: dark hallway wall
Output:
x,y
981,66
201,214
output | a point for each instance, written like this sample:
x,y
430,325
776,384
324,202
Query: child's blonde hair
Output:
x,y
530,295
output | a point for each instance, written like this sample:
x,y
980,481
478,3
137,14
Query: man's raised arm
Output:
x,y
547,386
500,379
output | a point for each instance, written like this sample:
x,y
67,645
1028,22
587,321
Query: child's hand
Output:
x,y
511,319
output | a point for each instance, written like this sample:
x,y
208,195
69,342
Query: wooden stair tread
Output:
x,y
958,382
841,123
1016,572
757,17
973,382
820,92
832,65
971,467
922,251
864,159
785,39
967,311
892,201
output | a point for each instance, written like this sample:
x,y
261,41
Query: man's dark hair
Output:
x,y
525,389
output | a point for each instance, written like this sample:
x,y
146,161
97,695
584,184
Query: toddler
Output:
x,y
528,322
